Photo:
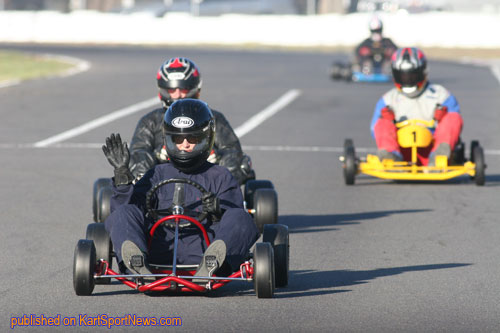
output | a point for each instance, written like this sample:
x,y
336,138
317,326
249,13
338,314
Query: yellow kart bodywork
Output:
x,y
414,134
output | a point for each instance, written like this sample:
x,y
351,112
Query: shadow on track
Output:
x,y
492,180
311,283
314,223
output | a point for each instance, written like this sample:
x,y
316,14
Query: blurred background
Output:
x,y
218,7
278,23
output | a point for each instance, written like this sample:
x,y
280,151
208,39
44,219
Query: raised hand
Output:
x,y
118,156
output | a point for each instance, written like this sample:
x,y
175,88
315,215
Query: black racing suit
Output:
x,y
375,53
147,145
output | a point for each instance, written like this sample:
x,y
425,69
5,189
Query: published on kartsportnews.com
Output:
x,y
102,320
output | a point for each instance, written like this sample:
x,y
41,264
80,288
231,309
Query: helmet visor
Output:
x,y
174,141
408,78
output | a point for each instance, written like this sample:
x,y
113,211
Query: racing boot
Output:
x,y
442,149
134,258
386,155
212,259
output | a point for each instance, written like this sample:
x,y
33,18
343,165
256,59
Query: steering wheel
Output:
x,y
178,199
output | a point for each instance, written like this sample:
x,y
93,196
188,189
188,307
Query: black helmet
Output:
x,y
193,120
179,73
409,70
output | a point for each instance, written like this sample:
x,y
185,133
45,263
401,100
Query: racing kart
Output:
x,y
260,200
414,135
370,68
267,266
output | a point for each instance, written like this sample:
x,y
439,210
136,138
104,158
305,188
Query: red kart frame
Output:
x,y
173,279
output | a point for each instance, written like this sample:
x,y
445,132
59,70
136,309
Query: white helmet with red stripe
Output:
x,y
409,71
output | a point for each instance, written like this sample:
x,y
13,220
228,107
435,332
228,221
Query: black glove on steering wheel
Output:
x,y
211,205
118,156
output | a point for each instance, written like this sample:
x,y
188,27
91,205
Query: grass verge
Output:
x,y
22,66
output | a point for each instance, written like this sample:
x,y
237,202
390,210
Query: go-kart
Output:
x,y
260,199
267,266
414,135
371,68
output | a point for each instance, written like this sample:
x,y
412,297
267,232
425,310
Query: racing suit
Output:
x,y
128,220
421,107
146,146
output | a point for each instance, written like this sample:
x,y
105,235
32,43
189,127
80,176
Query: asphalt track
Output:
x,y
377,256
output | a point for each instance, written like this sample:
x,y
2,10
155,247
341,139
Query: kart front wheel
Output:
x,y
251,186
103,247
480,166
98,185
263,270
266,207
277,236
104,203
84,267
350,167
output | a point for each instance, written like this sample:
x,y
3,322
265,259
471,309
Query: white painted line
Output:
x,y
495,69
300,149
492,64
268,112
9,83
97,122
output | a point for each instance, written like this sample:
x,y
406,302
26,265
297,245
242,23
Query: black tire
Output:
x,y
98,184
347,73
480,166
277,235
250,188
103,247
104,203
263,270
84,267
458,154
350,167
336,71
473,144
266,207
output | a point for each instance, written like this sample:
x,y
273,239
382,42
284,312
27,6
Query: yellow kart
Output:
x,y
414,134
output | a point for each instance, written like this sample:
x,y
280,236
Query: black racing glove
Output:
x,y
118,156
211,205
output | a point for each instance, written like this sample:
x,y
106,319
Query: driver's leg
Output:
x,y
127,223
238,230
448,130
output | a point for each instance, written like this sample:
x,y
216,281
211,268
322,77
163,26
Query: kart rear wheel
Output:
x,y
84,267
251,186
336,70
347,73
350,168
266,207
104,203
103,247
263,270
277,236
478,157
98,184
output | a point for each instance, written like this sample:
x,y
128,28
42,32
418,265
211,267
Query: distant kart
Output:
x,y
355,73
261,201
371,68
266,267
414,134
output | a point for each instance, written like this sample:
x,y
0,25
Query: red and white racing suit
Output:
x,y
421,107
